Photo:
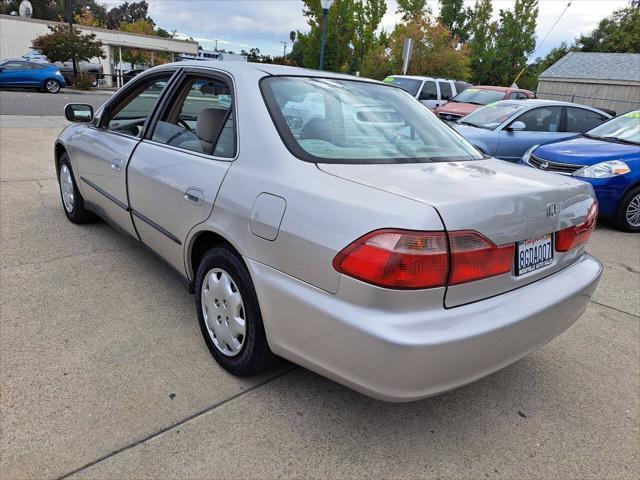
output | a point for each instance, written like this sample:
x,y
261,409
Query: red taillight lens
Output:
x,y
473,257
569,238
397,259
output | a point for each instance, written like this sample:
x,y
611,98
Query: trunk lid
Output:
x,y
505,202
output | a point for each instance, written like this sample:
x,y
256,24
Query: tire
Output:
x,y
624,218
72,201
51,86
221,313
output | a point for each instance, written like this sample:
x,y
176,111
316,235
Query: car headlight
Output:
x,y
611,168
527,154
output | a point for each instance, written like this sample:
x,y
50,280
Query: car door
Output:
x,y
103,149
428,95
445,92
15,73
542,125
177,170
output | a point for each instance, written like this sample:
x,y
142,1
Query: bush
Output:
x,y
83,81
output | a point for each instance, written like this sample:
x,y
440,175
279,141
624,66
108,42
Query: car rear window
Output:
x,y
326,120
479,96
411,85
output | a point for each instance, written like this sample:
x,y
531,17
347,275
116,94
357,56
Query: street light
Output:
x,y
326,5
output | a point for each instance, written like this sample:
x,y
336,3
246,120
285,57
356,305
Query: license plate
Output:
x,y
534,254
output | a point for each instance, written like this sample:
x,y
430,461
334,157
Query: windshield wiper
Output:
x,y
462,122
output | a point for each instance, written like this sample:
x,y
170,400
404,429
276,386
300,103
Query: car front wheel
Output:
x,y
628,216
52,86
229,313
72,201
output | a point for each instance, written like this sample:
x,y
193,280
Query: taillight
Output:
x,y
569,238
397,259
406,259
474,256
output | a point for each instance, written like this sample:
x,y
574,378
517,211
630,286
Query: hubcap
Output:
x,y
66,187
633,211
52,86
223,312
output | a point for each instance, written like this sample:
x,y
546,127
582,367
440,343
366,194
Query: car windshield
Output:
x,y
411,85
348,121
625,128
478,96
491,116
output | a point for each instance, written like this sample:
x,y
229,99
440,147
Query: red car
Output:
x,y
475,97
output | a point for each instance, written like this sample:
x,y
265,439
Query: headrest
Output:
x,y
210,122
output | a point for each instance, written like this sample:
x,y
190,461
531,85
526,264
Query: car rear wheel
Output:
x,y
72,201
229,313
628,216
52,86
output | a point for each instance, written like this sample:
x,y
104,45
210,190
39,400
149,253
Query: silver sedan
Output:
x,y
333,221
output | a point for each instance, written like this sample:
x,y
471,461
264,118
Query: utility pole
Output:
x,y
284,49
70,19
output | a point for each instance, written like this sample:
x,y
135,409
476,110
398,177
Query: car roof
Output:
x,y
419,77
235,68
538,102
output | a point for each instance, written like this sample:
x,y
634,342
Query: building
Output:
x,y
18,33
601,80
207,55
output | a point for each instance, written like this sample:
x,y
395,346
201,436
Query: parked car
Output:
x,y
378,248
94,70
508,128
430,91
608,157
475,97
18,73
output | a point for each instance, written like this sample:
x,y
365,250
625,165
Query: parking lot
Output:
x,y
104,373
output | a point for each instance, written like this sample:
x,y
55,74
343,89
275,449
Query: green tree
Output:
x,y
128,13
64,43
482,49
412,9
456,18
529,78
368,16
618,33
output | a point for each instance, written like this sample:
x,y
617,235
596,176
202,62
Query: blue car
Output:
x,y
43,76
508,128
608,157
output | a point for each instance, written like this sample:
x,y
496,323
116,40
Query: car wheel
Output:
x,y
72,201
229,313
628,215
52,86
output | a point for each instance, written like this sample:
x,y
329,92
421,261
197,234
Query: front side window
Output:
x,y
359,122
478,96
445,90
545,119
199,118
579,120
429,91
491,116
130,115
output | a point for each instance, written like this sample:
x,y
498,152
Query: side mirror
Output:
x,y
78,112
517,127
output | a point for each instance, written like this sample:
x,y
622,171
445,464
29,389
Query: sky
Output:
x,y
244,24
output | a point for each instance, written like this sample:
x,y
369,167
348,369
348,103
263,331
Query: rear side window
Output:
x,y
429,91
445,91
199,118
461,86
345,121
579,120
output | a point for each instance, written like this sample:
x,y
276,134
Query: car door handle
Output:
x,y
194,195
116,164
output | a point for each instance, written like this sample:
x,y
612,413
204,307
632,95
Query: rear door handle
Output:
x,y
194,195
116,164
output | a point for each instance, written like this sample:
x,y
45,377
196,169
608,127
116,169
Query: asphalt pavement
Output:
x,y
104,374
31,102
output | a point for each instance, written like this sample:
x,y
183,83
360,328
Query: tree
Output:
x,y
292,36
482,49
618,33
412,9
529,78
64,43
128,13
88,19
456,18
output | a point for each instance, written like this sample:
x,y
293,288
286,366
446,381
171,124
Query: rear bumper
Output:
x,y
403,353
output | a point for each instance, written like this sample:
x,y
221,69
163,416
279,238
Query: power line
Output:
x,y
551,29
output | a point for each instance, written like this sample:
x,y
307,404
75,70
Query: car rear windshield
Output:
x,y
411,85
625,128
479,96
325,120
490,116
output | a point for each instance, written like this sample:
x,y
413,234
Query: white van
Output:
x,y
431,92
